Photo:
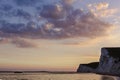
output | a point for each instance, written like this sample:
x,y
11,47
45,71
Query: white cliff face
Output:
x,y
108,64
105,61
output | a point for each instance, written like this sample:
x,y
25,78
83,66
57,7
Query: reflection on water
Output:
x,y
48,76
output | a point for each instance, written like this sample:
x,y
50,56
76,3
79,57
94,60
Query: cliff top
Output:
x,y
113,51
93,65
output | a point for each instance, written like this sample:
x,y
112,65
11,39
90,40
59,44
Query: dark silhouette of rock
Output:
x,y
109,62
88,67
18,72
113,52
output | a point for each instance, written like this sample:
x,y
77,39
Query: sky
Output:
x,y
56,35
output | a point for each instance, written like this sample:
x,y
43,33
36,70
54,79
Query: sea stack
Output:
x,y
109,62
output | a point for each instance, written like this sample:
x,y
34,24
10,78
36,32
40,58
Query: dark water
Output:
x,y
46,76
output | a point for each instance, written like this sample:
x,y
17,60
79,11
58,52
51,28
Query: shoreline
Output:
x,y
55,72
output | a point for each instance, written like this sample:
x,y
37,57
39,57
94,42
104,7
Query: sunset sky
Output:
x,y
56,35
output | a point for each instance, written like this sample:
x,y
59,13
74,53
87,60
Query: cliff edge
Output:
x,y
109,63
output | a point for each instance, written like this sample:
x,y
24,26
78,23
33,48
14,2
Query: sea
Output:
x,y
55,76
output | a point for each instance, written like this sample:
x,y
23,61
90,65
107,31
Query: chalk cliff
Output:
x,y
109,62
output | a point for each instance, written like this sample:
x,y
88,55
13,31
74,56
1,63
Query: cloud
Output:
x,y
71,43
52,11
11,28
18,42
22,13
102,10
83,42
100,6
57,20
6,7
26,2
22,43
3,40
68,2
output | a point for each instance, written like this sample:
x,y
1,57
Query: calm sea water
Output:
x,y
46,76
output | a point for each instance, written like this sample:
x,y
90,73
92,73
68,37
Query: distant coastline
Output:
x,y
52,72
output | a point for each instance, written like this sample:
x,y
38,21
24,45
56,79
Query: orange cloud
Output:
x,y
22,43
18,42
68,2
102,9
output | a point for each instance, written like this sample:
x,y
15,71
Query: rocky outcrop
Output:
x,y
85,68
109,62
